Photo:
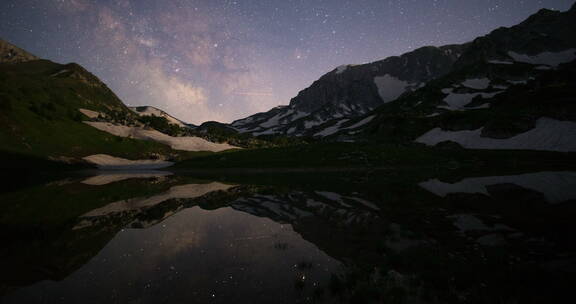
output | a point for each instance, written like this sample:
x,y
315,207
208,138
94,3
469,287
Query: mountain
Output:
x,y
211,131
511,89
12,54
41,102
350,91
63,112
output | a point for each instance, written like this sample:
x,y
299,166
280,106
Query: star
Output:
x,y
207,50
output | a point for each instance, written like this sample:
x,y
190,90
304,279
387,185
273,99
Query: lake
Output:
x,y
289,237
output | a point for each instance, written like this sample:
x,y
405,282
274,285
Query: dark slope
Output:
x,y
457,87
40,116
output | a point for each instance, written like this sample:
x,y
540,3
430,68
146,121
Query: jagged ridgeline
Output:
x,y
212,131
511,89
351,91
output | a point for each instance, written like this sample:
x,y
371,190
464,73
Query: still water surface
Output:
x,y
155,237
208,256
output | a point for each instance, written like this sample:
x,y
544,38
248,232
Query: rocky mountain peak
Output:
x,y
76,71
350,84
350,91
540,33
542,16
344,98
10,53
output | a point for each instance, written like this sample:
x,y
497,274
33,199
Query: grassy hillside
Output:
x,y
39,116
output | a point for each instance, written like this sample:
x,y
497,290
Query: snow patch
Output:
x,y
517,81
105,178
188,143
389,87
90,113
280,118
555,186
365,203
500,62
360,123
59,72
335,197
341,69
298,115
553,59
108,162
273,121
312,123
548,135
543,68
331,129
477,83
468,222
184,192
482,106
345,107
459,101
238,123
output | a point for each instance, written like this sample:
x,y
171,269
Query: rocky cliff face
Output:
x,y
511,89
369,85
12,54
430,82
546,31
352,90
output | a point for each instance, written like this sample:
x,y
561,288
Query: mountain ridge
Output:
x,y
64,113
485,67
10,53
352,91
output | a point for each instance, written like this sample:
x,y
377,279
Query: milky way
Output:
x,y
224,60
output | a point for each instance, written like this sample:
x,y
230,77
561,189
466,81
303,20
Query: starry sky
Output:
x,y
223,60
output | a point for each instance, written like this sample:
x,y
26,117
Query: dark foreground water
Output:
x,y
392,237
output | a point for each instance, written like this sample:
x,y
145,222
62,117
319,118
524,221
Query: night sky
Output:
x,y
224,59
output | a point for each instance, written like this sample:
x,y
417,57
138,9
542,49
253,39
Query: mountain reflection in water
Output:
x,y
154,237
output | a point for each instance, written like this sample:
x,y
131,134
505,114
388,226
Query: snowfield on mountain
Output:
x,y
555,186
152,111
186,143
108,162
548,135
